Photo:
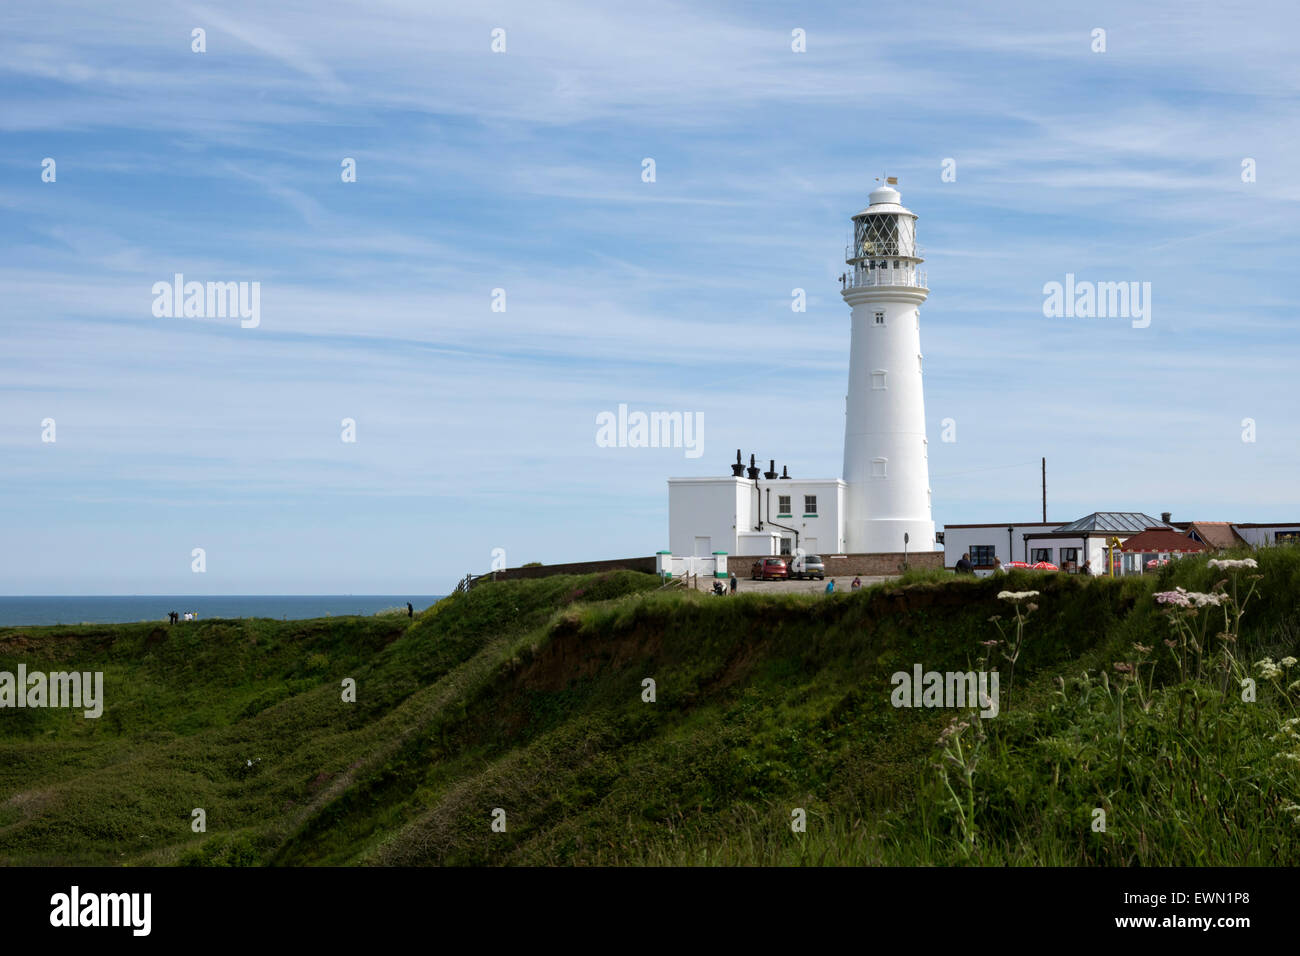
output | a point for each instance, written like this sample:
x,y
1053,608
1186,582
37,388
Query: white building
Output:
x,y
1261,535
882,503
737,515
1068,546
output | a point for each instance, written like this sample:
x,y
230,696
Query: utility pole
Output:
x,y
1044,491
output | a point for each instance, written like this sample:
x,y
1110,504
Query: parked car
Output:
x,y
769,569
810,567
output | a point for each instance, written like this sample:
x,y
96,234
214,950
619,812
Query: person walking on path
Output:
x,y
857,583
830,586
734,582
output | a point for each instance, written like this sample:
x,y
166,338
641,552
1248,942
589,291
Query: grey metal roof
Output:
x,y
1122,521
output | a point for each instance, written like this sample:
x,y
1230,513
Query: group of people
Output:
x,y
174,616
854,586
830,585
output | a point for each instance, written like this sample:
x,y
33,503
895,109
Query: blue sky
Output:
x,y
522,170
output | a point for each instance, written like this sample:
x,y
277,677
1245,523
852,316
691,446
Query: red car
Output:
x,y
770,569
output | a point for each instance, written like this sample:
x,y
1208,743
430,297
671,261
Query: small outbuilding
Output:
x,y
1153,547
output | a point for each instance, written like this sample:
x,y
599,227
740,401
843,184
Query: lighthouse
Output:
x,y
881,505
886,467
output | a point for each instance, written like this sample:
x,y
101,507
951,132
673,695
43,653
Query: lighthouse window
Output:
x,y
783,506
877,236
878,379
810,506
878,467
880,318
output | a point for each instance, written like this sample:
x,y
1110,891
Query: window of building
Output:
x,y
981,555
786,546
919,366
1070,559
810,506
880,318
783,506
1287,537
1040,554
925,448
878,467
878,379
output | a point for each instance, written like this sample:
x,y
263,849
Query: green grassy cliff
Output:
x,y
528,697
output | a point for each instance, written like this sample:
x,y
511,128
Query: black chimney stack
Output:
x,y
770,474
753,469
1165,516
738,469
785,469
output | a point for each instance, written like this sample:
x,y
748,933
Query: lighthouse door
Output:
x,y
703,546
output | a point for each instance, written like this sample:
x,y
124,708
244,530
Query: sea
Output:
x,y
93,609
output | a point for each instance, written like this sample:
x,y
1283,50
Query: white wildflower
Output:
x,y
1228,565
1016,595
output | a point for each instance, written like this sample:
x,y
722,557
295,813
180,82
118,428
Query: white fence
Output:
x,y
693,569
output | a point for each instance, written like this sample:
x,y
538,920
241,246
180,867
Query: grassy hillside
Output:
x,y
528,698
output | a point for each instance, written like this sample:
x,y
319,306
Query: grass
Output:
x,y
531,697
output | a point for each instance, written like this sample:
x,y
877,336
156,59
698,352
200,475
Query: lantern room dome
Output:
x,y
885,199
883,194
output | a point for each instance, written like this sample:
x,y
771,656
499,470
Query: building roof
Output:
x,y
1161,540
1128,522
1216,534
1008,524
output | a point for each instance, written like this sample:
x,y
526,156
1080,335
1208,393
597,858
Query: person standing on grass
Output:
x,y
410,611
964,566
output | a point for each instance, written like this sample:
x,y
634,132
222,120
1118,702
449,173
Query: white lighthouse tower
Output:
x,y
886,467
